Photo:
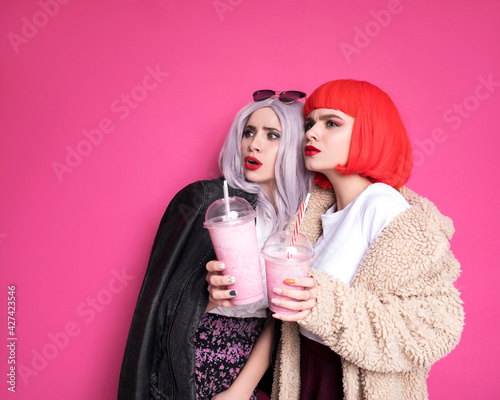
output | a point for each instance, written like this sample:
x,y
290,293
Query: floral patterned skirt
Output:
x,y
223,345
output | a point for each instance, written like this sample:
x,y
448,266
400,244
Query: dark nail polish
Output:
x,y
232,293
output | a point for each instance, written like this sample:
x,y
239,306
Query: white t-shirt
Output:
x,y
258,309
348,233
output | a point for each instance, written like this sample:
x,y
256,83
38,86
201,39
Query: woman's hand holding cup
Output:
x,y
219,293
301,301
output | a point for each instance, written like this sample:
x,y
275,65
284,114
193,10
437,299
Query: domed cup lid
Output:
x,y
217,215
279,244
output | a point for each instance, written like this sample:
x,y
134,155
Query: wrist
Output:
x,y
239,390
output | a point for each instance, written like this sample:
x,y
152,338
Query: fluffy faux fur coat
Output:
x,y
400,314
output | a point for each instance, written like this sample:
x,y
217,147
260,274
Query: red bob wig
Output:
x,y
380,149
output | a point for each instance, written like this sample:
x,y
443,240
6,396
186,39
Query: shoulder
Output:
x,y
201,194
382,198
427,213
192,199
202,186
414,246
200,190
421,216
378,206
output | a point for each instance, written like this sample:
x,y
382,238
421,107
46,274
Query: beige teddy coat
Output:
x,y
400,314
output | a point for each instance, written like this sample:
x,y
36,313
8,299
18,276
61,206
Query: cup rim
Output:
x,y
219,222
305,256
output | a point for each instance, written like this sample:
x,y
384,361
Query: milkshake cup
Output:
x,y
231,224
283,262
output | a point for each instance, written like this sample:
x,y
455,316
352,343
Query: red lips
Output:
x,y
252,163
311,151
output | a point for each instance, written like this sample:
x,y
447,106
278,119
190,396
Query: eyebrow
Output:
x,y
325,117
266,128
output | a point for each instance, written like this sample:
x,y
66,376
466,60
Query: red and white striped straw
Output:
x,y
298,222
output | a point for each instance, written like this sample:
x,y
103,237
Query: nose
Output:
x,y
256,143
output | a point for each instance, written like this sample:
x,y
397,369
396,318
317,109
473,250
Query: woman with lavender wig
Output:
x,y
183,344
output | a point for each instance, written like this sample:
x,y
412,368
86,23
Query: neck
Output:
x,y
347,187
269,188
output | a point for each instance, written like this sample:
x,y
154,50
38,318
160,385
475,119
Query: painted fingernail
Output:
x,y
231,279
220,266
275,301
289,281
277,316
277,290
232,293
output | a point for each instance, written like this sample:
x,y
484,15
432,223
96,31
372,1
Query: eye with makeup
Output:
x,y
273,135
248,132
331,123
308,125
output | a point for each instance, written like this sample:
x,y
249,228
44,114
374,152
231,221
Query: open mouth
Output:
x,y
252,163
311,151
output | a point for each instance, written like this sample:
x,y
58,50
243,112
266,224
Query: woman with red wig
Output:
x,y
380,306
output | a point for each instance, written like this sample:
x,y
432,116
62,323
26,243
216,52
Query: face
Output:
x,y
259,147
327,140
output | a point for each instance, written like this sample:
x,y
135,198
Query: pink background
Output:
x,y
75,241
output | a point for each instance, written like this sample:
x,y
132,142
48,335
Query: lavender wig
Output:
x,y
293,180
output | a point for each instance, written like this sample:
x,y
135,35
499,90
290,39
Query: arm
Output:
x,y
389,333
255,367
402,311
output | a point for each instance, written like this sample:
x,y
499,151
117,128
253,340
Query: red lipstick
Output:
x,y
310,151
252,163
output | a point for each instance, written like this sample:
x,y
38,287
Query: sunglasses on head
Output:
x,y
287,97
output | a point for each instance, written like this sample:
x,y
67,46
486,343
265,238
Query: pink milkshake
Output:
x,y
283,262
233,235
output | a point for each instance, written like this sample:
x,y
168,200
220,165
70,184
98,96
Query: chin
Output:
x,y
310,165
250,176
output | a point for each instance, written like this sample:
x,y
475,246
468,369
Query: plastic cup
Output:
x,y
235,243
280,267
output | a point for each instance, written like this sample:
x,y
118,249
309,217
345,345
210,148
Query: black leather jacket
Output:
x,y
159,360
